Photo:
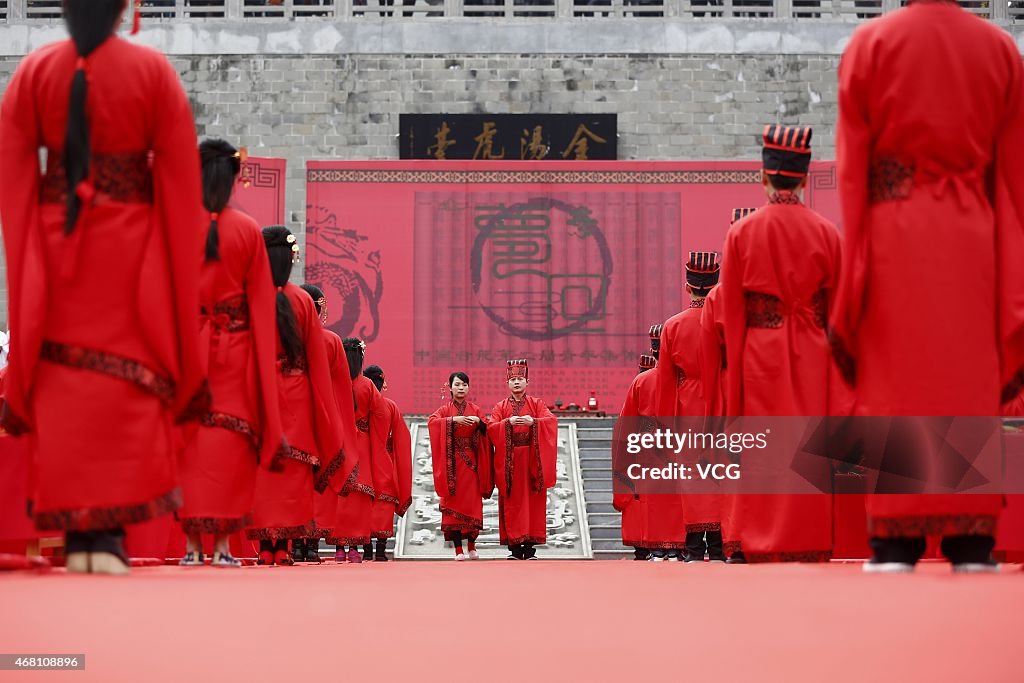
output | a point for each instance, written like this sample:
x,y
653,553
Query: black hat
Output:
x,y
702,269
787,150
741,213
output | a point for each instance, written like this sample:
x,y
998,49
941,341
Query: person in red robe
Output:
x,y
373,423
650,523
713,374
103,255
242,429
461,457
310,416
932,213
525,435
681,393
777,352
392,479
325,499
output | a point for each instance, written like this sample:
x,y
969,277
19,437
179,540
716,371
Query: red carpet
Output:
x,y
472,621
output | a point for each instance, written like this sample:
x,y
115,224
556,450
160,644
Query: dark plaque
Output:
x,y
508,137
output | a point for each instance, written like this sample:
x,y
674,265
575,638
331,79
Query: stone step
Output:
x,y
598,497
606,532
602,509
594,443
599,471
599,433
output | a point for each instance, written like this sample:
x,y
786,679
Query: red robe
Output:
x,y
312,426
679,373
524,468
463,475
392,479
243,427
714,379
779,275
105,351
325,502
373,423
652,521
930,314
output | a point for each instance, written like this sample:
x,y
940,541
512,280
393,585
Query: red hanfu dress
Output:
x,y
354,511
243,427
652,521
312,426
325,502
930,315
780,269
524,468
105,352
392,479
461,459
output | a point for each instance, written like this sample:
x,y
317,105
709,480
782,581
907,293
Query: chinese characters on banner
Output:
x,y
444,266
508,137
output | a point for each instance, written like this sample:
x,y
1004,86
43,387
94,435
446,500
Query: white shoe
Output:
x,y
888,568
674,558
473,555
976,568
655,558
460,557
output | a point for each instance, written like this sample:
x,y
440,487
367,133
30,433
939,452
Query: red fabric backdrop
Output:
x,y
460,265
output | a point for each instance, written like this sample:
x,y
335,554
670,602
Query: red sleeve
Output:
x,y
546,425
496,430
734,318
1009,212
667,387
380,427
853,159
401,443
438,425
711,356
260,292
19,213
177,194
484,457
336,471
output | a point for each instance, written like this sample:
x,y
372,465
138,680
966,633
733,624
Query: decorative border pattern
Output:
x,y
319,175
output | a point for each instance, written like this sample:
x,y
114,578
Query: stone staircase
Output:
x,y
594,436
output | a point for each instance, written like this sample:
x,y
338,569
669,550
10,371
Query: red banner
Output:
x,y
444,266
259,191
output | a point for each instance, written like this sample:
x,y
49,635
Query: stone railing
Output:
x,y
41,11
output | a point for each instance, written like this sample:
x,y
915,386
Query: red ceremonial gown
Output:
x,y
105,351
392,478
524,468
714,380
312,426
325,501
243,427
779,274
930,315
461,459
652,521
680,369
373,423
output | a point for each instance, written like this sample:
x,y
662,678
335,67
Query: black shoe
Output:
x,y
737,558
381,554
298,550
368,552
313,550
